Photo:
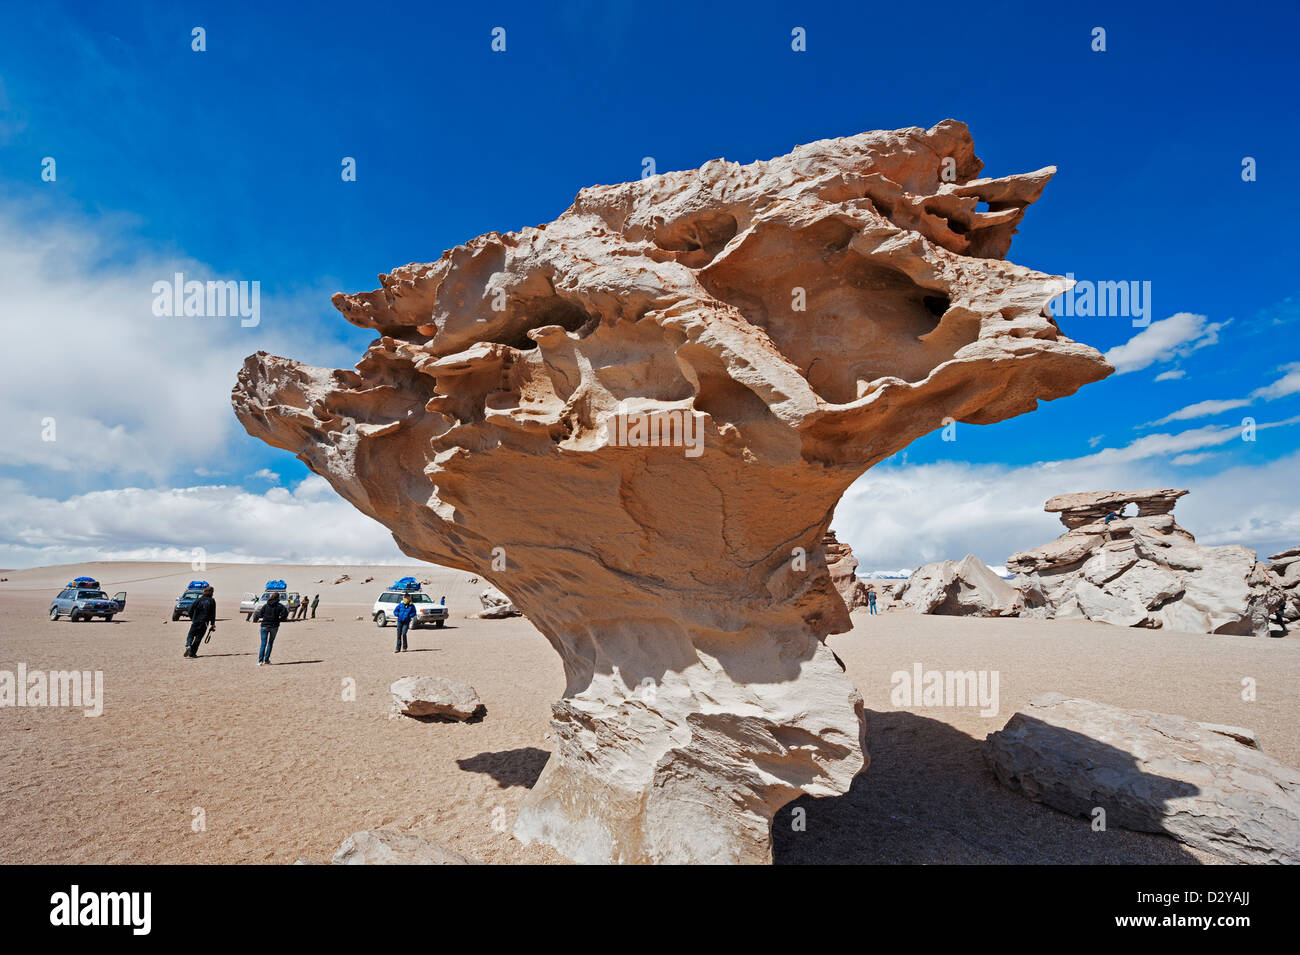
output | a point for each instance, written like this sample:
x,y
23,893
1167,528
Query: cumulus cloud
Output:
x,y
94,382
1173,337
896,516
307,524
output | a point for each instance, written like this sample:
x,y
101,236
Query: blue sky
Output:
x,y
229,160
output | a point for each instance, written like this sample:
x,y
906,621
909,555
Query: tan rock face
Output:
x,y
1143,571
636,422
842,567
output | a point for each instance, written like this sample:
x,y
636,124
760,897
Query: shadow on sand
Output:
x,y
929,797
511,767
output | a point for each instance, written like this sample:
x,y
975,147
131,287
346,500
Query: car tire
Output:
x,y
175,616
72,616
108,618
54,614
439,623
381,619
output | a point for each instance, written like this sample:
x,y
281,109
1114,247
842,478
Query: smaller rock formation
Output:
x,y
1286,565
496,604
1143,570
434,696
391,847
1208,786
842,566
959,588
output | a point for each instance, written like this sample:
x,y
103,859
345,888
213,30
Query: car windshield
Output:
x,y
420,599
192,595
91,595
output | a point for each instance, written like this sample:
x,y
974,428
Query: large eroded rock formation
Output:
x,y
811,315
1143,570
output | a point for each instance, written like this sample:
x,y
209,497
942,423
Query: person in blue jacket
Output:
x,y
404,613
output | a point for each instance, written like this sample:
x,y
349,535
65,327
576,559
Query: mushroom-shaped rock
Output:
x,y
636,422
1143,570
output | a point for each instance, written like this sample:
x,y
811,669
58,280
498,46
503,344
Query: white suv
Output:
x,y
427,611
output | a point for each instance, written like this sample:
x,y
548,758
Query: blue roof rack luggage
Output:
x,y
406,583
276,585
197,585
84,583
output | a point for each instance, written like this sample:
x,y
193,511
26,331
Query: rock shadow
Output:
x,y
511,767
928,797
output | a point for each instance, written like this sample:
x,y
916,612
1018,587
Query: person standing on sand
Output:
x,y
404,613
203,618
314,604
302,607
270,614
871,601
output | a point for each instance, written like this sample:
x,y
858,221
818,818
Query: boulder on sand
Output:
x,y
1207,785
391,847
496,605
959,588
434,696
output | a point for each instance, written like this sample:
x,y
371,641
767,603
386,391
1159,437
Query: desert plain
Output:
x,y
215,760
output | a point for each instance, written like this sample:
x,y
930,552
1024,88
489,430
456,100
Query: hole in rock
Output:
x,y
937,305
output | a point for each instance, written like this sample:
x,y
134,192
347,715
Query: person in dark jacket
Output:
x,y
404,613
203,618
270,614
314,604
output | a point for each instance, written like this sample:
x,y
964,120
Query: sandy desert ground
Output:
x,y
283,767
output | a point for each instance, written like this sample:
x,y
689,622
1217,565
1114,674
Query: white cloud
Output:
x,y
1201,409
908,516
265,474
1288,384
130,396
1169,338
1172,375
306,524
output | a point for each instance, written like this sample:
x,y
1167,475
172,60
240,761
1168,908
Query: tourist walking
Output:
x,y
404,613
203,620
314,604
871,602
270,614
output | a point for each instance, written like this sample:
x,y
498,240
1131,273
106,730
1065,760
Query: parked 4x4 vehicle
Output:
x,y
253,602
82,599
185,602
426,611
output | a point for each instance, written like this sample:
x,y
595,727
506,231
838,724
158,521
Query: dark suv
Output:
x,y
185,602
83,600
